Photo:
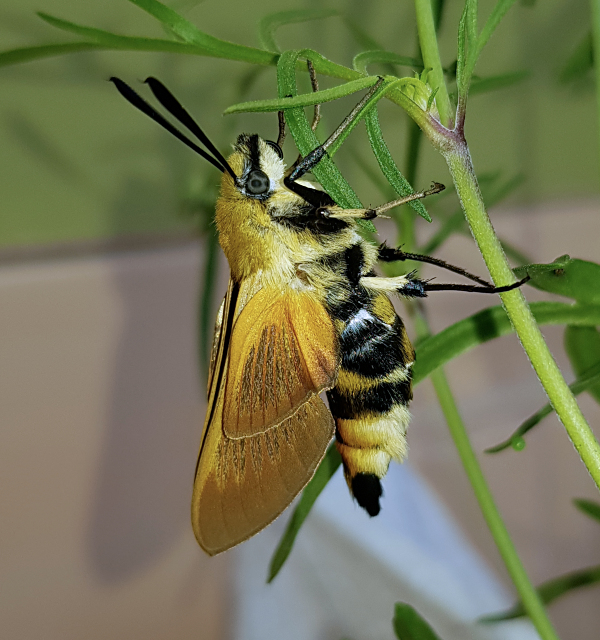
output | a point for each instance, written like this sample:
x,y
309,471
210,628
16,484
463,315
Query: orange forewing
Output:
x,y
283,351
243,483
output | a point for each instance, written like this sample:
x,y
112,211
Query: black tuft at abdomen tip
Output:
x,y
366,488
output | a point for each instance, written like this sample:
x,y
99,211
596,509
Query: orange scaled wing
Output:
x,y
266,428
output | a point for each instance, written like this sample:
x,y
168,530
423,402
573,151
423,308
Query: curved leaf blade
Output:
x,y
323,474
589,507
362,60
582,345
325,172
367,108
29,54
570,277
494,83
190,33
580,61
550,591
410,625
132,43
267,27
491,323
387,165
304,99
586,382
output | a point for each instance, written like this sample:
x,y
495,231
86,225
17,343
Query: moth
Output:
x,y
305,313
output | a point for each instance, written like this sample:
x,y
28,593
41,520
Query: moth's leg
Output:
x,y
410,286
369,214
388,254
281,135
428,286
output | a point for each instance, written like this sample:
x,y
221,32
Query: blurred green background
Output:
x,y
77,163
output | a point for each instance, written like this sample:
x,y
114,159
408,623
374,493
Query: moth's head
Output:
x,y
258,165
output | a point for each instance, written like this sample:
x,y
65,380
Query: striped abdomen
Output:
x,y
371,396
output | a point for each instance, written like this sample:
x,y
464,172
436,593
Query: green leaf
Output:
x,y
323,474
471,22
582,345
270,23
550,591
493,83
188,32
573,278
585,382
500,10
304,99
409,625
580,61
29,54
115,41
89,32
325,172
364,59
589,507
365,109
461,55
387,165
435,351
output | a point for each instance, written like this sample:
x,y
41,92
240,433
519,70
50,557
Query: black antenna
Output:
x,y
175,108
137,101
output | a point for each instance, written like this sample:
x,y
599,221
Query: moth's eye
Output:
x,y
276,147
258,183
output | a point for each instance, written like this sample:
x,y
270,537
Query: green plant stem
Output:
x,y
559,394
431,58
596,55
529,596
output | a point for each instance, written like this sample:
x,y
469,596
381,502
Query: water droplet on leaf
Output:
x,y
518,444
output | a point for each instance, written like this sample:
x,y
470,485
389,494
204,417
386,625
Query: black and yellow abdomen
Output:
x,y
372,392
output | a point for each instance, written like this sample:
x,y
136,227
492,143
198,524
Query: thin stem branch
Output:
x,y
527,592
431,58
561,397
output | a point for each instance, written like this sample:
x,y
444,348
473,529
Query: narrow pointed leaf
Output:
x,y
583,383
589,507
580,61
409,625
267,27
493,83
366,109
550,591
188,32
131,43
461,56
364,59
304,99
323,474
29,54
499,11
387,165
491,323
582,345
325,172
